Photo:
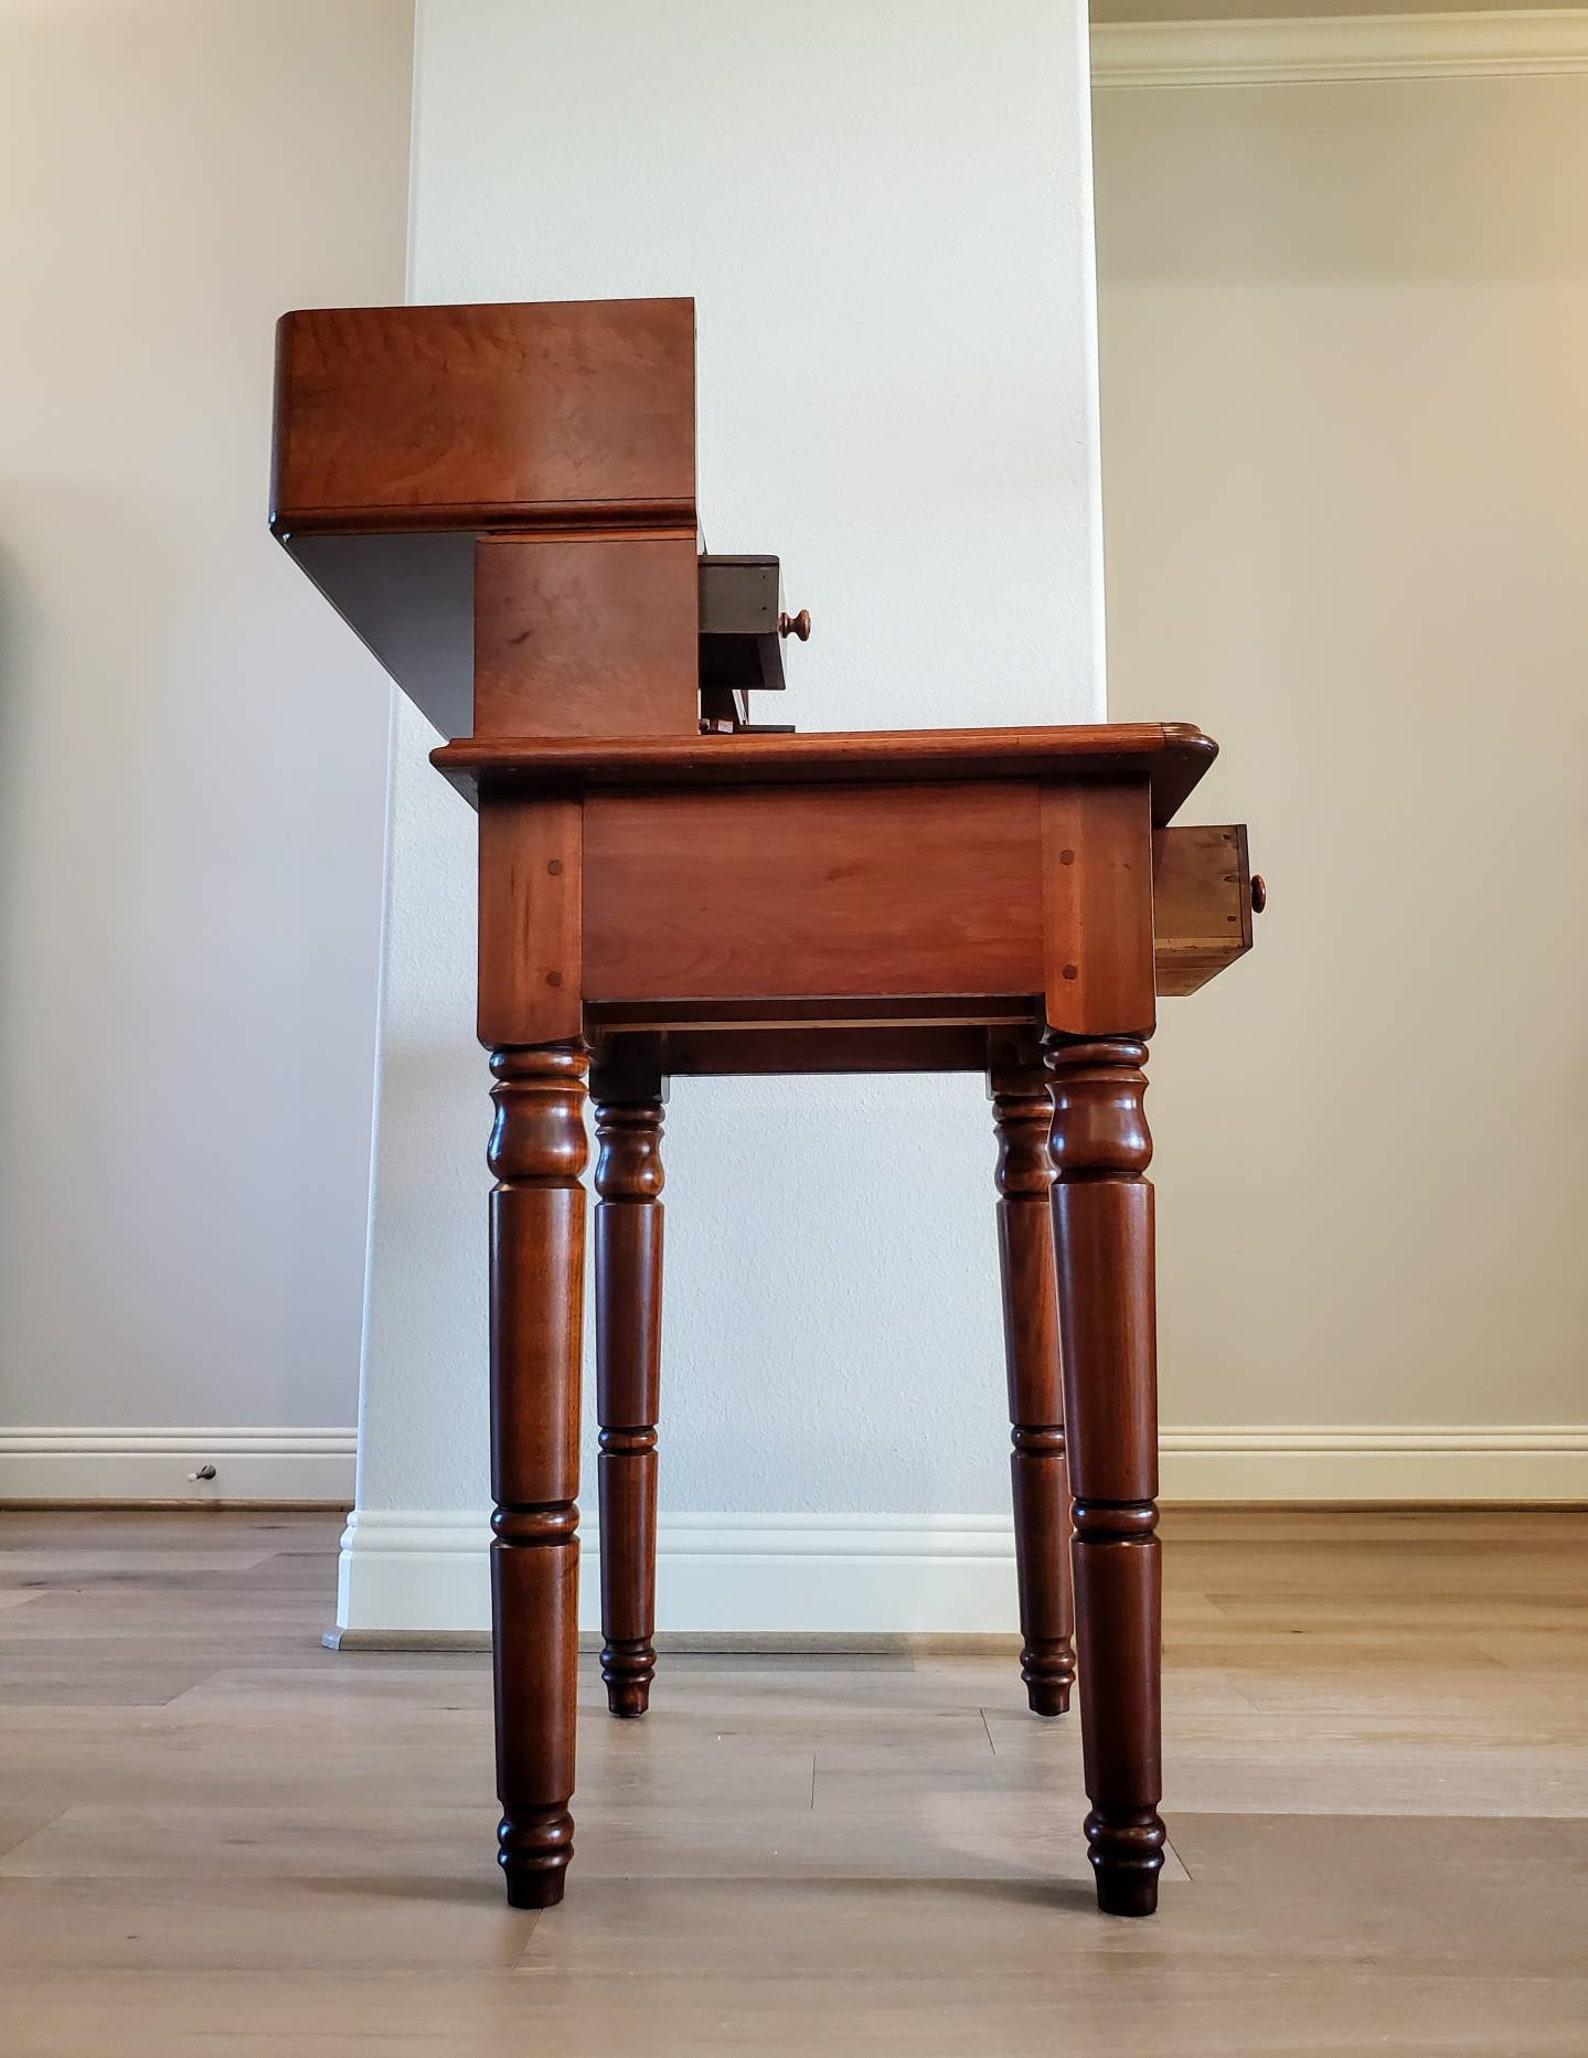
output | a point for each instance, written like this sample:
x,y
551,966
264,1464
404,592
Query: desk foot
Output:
x,y
1047,1693
1127,1859
535,1848
626,1670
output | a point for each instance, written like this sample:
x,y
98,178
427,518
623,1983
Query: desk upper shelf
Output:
x,y
522,415
405,434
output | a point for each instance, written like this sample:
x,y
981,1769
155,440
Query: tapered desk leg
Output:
x,y
537,1280
1102,1214
1023,1114
628,1267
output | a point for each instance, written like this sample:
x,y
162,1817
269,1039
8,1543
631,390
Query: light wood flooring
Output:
x,y
218,1838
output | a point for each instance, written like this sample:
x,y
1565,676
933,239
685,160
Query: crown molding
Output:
x,y
1288,50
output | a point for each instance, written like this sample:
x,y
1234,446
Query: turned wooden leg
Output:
x,y
1023,1113
1102,1218
628,1270
537,1281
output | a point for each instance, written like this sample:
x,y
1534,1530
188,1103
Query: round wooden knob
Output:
x,y
796,625
1259,893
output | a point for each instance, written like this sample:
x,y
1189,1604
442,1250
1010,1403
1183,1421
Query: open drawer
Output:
x,y
1204,897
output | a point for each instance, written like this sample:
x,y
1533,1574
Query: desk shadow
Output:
x,y
1066,1896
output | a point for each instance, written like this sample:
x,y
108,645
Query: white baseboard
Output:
x,y
1291,49
842,1574
154,1464
419,1570
1504,1463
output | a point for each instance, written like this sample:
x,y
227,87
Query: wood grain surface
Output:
x,y
442,417
812,890
530,907
1172,755
580,635
218,1839
1201,903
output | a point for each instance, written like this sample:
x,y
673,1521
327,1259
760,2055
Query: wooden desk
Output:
x,y
654,901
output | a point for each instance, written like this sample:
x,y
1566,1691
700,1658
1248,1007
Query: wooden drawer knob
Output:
x,y
1259,893
796,625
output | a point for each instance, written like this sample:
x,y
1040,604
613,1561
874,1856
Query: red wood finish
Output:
x,y
1097,906
510,412
501,501
1023,1115
1103,1231
628,1273
414,444
796,1050
804,879
750,909
538,1153
531,922
572,634
1172,756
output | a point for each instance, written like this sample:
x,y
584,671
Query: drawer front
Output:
x,y
766,893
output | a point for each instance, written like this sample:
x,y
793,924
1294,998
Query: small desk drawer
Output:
x,y
1201,903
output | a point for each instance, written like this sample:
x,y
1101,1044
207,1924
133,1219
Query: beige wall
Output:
x,y
1103,11
192,752
1345,425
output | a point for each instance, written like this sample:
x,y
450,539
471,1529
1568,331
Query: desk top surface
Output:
x,y
1171,755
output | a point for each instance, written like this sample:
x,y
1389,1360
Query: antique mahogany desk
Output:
x,y
501,501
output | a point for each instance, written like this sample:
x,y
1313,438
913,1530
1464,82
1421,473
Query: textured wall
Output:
x,y
883,213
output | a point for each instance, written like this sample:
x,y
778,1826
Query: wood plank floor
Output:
x,y
217,1838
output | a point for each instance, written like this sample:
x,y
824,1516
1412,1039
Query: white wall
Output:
x,y
1346,462
1342,337
883,215
191,747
